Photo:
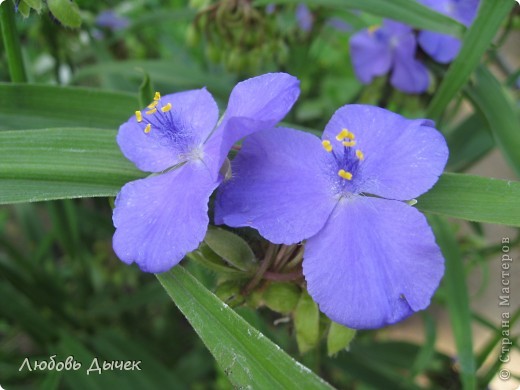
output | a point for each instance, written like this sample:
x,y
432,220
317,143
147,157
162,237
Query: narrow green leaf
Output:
x,y
307,323
49,164
407,11
457,301
504,350
12,45
66,12
476,41
496,339
230,247
468,142
46,164
338,338
474,198
491,99
247,357
42,106
427,352
173,74
146,92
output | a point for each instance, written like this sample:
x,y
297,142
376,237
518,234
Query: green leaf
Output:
x,y
427,352
231,248
66,11
457,301
338,338
209,259
173,74
474,198
70,163
307,323
24,9
34,4
42,106
468,142
146,92
247,357
11,44
281,297
477,39
498,343
491,99
49,164
407,11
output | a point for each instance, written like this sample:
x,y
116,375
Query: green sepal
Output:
x,y
281,297
229,292
231,248
66,11
306,323
338,338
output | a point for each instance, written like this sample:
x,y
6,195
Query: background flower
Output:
x,y
444,48
369,261
161,218
109,19
391,47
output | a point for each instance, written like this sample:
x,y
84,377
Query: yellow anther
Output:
x,y
345,134
372,29
360,155
344,174
349,143
157,96
152,111
166,108
326,145
342,135
153,104
138,116
148,128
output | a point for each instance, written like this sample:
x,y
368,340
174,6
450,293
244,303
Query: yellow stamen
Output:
x,y
138,116
349,143
360,155
345,134
166,108
148,128
157,96
326,145
344,174
152,111
153,104
372,29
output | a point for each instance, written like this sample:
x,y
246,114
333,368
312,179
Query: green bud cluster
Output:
x,y
240,36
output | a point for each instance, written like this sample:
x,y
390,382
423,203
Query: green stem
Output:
x,y
12,43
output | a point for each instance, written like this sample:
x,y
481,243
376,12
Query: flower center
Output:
x,y
349,158
165,124
151,120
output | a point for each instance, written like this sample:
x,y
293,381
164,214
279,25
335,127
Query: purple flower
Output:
x,y
370,259
339,24
304,17
109,19
376,51
444,48
161,218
